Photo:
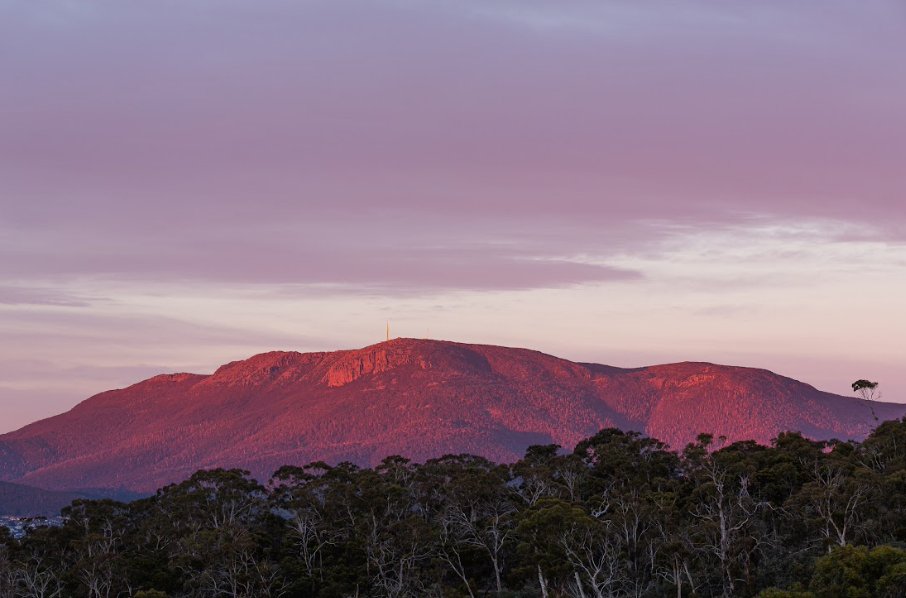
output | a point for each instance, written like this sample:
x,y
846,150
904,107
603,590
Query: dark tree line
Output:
x,y
619,516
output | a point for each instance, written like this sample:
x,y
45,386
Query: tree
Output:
x,y
838,499
621,516
6,567
868,390
728,526
547,532
856,572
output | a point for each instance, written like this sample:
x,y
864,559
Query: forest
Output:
x,y
621,515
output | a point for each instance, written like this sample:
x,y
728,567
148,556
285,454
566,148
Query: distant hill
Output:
x,y
28,501
418,398
25,501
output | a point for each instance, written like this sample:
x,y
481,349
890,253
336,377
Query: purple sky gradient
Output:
x,y
183,183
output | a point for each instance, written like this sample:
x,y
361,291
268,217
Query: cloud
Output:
x,y
10,295
189,181
126,329
352,254
144,115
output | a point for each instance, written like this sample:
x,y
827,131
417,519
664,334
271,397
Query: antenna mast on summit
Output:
x,y
388,330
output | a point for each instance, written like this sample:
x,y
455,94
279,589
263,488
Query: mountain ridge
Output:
x,y
414,397
19,500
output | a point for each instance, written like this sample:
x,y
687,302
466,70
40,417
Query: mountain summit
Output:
x,y
417,398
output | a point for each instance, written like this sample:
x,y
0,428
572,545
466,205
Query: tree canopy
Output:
x,y
620,515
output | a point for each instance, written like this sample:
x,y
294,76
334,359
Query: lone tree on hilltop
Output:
x,y
868,390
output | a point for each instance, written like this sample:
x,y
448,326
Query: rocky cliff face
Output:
x,y
417,398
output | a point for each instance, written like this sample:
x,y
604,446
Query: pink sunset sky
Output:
x,y
186,183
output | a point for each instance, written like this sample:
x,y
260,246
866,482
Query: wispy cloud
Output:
x,y
10,295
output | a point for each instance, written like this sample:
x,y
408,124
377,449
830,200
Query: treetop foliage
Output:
x,y
620,515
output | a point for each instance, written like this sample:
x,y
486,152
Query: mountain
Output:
x,y
418,398
25,501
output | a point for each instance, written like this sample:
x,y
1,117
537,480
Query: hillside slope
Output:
x,y
418,398
25,501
